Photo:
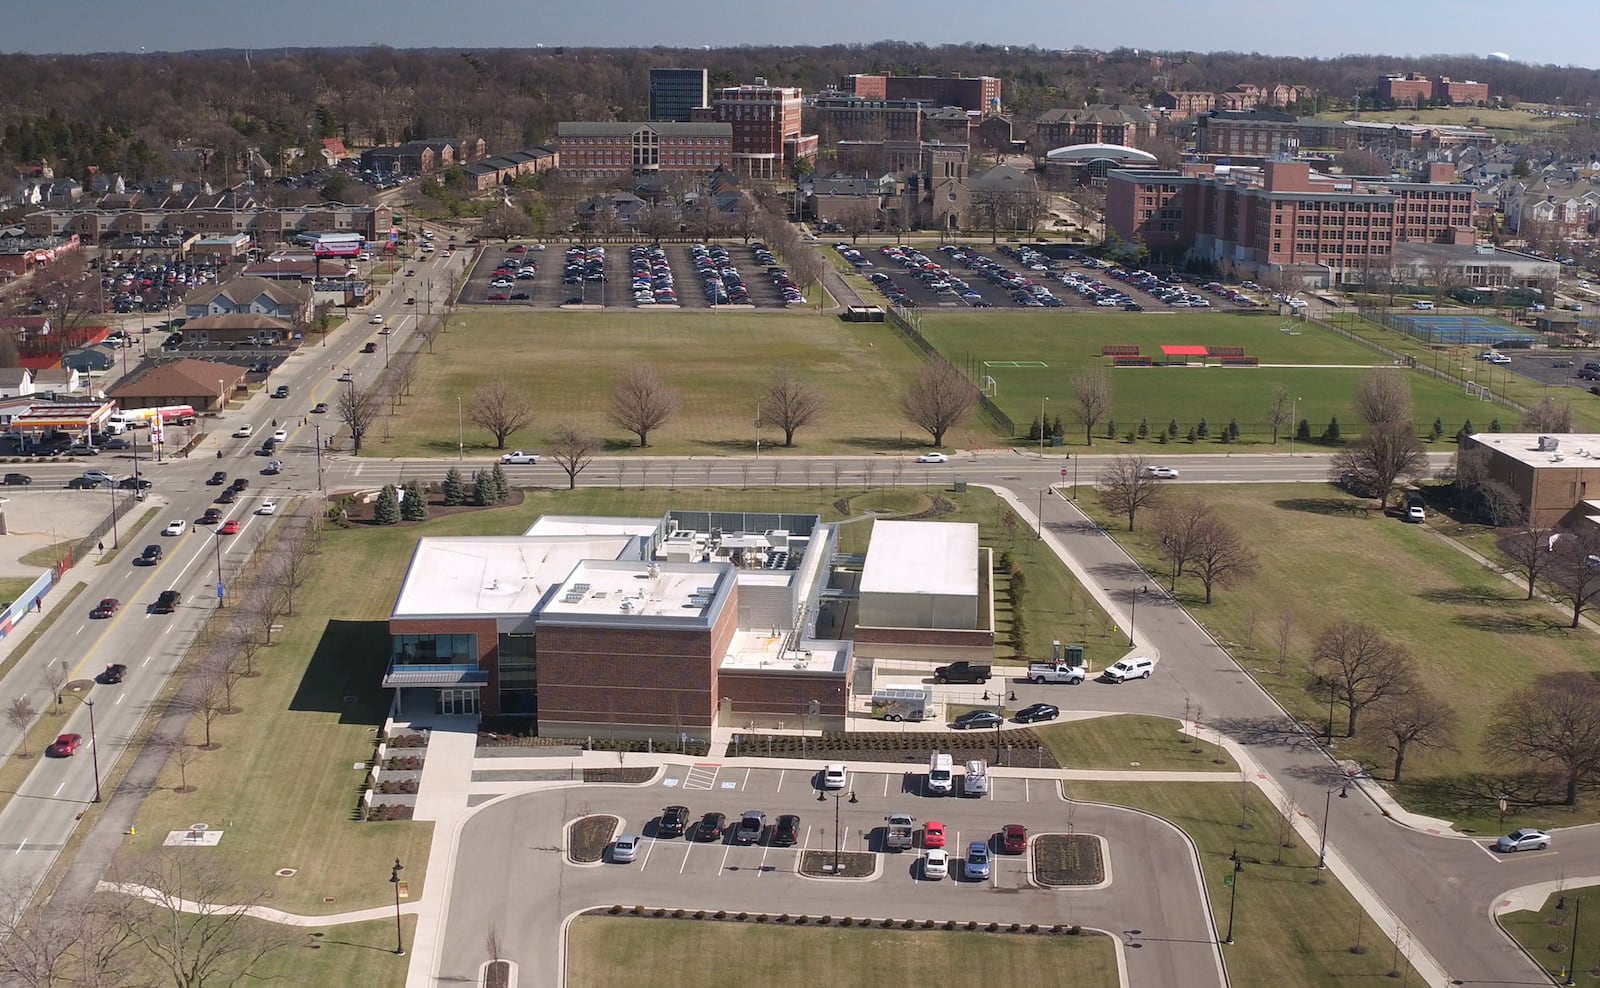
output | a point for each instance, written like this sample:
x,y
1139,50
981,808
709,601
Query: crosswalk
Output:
x,y
702,775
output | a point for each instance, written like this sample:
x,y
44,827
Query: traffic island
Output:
x,y
588,838
851,864
1068,860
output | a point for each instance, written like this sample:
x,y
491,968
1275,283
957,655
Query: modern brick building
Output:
x,y
1182,104
1262,133
847,117
1130,126
1551,479
1282,216
980,94
676,93
1405,89
656,627
766,127
614,149
1461,91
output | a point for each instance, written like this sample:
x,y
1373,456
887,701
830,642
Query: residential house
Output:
x,y
90,360
59,380
257,296
202,384
334,151
239,327
15,382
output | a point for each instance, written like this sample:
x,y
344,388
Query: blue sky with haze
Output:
x,y
1406,27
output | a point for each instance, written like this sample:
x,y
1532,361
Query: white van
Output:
x,y
941,774
1422,306
976,781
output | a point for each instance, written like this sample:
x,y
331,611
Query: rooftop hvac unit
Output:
x,y
1549,444
626,606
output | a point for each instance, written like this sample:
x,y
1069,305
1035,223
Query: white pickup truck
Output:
x,y
1122,670
519,457
1056,672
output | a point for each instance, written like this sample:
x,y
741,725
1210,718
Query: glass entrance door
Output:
x,y
457,702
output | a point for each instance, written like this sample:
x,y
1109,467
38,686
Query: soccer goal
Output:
x,y
1479,392
988,386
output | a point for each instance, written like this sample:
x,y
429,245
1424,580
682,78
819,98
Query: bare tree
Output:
x,y
1221,556
240,639
180,753
1547,415
805,267
206,697
19,715
1126,486
1501,504
263,605
1554,725
940,399
1574,572
1530,548
55,677
856,218
357,408
1384,453
1416,719
1285,636
1281,413
404,376
191,921
49,946
500,410
573,450
790,403
641,402
505,222
1091,399
1361,667
1177,528
1384,395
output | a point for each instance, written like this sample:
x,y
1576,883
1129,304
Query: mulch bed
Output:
x,y
911,748
1068,859
588,838
618,774
852,864
497,975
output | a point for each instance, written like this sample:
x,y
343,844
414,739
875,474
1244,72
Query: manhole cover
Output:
x,y
286,872
199,826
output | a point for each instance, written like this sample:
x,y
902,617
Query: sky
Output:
x,y
1406,27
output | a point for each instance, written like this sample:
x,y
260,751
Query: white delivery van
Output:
x,y
976,781
941,774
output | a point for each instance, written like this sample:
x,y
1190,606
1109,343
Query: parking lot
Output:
x,y
1549,368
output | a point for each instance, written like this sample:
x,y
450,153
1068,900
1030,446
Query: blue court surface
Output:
x,y
1434,327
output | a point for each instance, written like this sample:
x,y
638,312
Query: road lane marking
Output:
x,y
688,848
780,779
146,661
727,849
746,783
650,846
762,867
886,787
58,789
119,699
20,847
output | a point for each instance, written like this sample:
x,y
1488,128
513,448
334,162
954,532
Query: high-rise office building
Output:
x,y
675,93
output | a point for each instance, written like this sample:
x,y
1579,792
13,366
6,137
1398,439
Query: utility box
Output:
x,y
1074,655
961,486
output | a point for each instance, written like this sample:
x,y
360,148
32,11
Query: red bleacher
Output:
x,y
1119,350
1133,361
1225,351
1241,361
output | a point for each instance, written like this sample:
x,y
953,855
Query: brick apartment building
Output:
x,y
263,225
1282,216
1180,104
979,94
1461,92
1266,132
614,149
847,117
1094,124
766,127
1405,89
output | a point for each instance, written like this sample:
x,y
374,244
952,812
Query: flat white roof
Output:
x,y
922,557
633,590
1574,449
492,575
762,651
592,525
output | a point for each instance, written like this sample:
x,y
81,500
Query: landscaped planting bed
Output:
x,y
908,747
588,837
852,864
1068,859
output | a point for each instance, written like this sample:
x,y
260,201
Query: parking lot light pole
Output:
x,y
94,751
1042,429
1233,891
1134,610
1327,804
394,879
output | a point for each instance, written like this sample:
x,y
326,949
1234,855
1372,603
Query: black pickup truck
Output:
x,y
962,672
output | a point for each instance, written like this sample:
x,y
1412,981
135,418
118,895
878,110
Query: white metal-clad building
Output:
x,y
921,574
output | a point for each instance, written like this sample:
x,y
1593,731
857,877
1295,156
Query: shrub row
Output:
x,y
1058,929
388,811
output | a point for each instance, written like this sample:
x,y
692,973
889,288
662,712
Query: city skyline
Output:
x,y
88,26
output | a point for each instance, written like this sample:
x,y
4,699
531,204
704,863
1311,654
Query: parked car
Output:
x,y
834,776
1416,513
106,608
1035,712
973,719
935,864
933,834
1523,840
625,848
752,824
64,746
112,675
1014,838
786,832
978,860
711,826
674,822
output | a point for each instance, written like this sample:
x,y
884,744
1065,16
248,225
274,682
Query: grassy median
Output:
x,y
1547,933
1132,742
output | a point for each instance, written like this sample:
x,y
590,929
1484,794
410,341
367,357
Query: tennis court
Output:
x,y
1467,329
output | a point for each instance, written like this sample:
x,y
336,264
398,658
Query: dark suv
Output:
x,y
167,602
150,556
712,826
113,674
674,822
218,479
18,480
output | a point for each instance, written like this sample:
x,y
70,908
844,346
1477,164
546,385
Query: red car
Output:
x,y
499,297
229,527
933,834
1014,838
64,746
107,607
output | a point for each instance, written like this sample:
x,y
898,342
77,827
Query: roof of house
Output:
x,y
235,320
11,377
178,379
625,128
244,289
1002,178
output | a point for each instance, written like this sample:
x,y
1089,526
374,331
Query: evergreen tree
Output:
x,y
1302,431
387,510
1466,430
1164,439
1330,435
415,505
1204,430
1144,428
502,485
1111,428
1438,429
1494,425
1055,428
483,489
1232,435
1172,429
1193,436
455,489
1033,430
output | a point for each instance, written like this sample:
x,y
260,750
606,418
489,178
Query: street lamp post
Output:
x,y
1075,460
1038,525
1327,804
94,751
838,841
394,879
216,537
1572,956
1133,611
1233,891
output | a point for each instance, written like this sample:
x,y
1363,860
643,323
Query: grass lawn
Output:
x,y
1324,554
604,951
1459,116
1547,933
1069,342
11,587
1286,930
47,556
1132,741
569,361
352,954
